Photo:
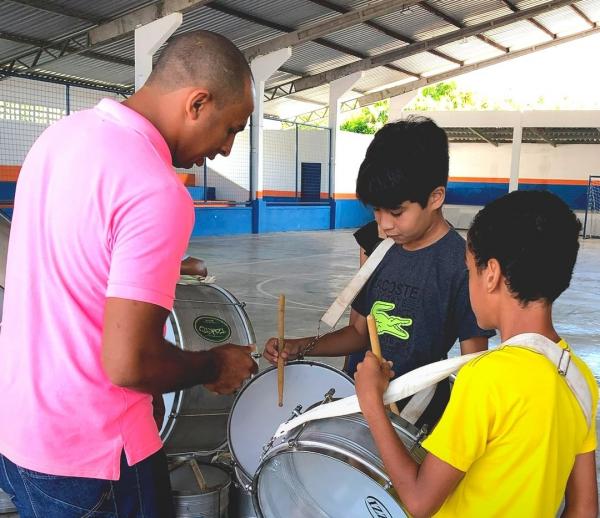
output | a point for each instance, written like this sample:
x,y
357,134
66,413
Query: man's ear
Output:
x,y
437,197
195,102
493,275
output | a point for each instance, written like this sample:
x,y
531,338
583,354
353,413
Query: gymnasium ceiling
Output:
x,y
398,45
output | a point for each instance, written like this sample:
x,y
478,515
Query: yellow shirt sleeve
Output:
x,y
462,433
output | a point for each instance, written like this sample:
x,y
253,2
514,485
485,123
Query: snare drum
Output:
x,y
255,415
330,468
204,316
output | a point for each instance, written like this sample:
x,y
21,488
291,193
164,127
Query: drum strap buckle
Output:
x,y
563,370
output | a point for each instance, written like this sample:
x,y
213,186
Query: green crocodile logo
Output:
x,y
390,324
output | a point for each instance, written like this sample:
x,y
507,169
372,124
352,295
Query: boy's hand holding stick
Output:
x,y
376,348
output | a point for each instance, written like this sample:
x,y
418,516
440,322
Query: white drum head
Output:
x,y
255,415
301,484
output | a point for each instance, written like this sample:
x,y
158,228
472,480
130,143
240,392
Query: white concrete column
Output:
x,y
148,39
337,88
262,67
515,158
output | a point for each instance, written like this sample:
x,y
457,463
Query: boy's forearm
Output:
x,y
341,342
399,465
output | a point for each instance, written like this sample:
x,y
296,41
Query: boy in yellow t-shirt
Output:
x,y
514,439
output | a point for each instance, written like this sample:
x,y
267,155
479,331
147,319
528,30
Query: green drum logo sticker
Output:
x,y
213,329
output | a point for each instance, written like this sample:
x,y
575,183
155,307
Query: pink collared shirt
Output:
x,y
99,212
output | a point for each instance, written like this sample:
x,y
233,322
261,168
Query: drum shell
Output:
x,y
345,439
6,505
196,419
192,502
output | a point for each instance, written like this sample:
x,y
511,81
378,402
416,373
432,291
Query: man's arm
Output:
x,y
422,489
581,497
349,339
135,354
474,345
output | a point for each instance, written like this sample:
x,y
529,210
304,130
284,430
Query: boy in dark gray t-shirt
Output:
x,y
418,294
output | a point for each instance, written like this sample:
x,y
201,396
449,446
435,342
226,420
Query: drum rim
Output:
x,y
236,463
313,448
177,332
374,473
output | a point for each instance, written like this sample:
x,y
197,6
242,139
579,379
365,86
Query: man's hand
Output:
x,y
372,378
293,347
193,266
234,364
158,410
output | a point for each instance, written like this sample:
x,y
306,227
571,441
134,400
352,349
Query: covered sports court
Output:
x,y
277,215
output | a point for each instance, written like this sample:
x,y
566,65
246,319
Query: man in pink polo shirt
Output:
x,y
100,225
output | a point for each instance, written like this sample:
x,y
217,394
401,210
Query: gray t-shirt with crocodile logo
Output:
x,y
420,300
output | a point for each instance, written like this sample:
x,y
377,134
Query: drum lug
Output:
x,y
328,396
422,433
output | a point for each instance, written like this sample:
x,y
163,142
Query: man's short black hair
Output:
x,y
405,161
534,236
202,58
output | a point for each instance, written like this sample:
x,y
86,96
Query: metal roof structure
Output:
x,y
399,45
551,136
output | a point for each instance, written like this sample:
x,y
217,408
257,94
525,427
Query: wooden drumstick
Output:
x,y
281,346
376,349
198,475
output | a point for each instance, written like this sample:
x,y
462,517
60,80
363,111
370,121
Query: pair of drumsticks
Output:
x,y
373,336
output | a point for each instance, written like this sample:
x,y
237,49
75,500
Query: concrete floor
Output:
x,y
310,268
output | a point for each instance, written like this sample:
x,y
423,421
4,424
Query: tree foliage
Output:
x,y
370,119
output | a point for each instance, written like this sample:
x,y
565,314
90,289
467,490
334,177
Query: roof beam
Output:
x,y
533,21
126,24
388,32
539,133
51,78
49,7
354,17
584,16
284,28
51,49
483,137
435,11
322,78
116,29
374,97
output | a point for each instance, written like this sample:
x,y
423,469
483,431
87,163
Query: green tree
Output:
x,y
370,119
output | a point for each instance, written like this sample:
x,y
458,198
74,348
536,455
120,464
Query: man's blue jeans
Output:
x,y
143,491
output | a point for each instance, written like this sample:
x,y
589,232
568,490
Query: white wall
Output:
x,y
538,161
351,152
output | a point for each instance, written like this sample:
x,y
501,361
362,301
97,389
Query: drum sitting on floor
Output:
x,y
6,505
204,316
256,415
330,468
199,490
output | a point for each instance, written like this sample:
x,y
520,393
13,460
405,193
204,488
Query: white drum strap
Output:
x,y
417,404
566,368
423,377
402,387
345,298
